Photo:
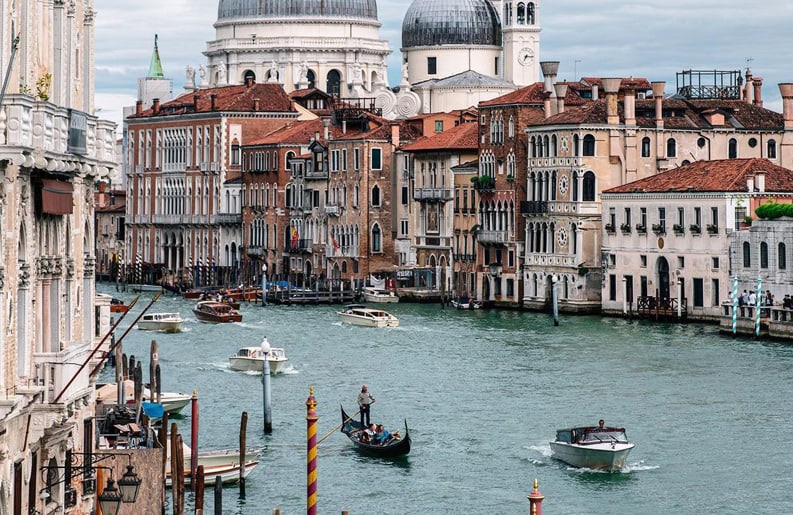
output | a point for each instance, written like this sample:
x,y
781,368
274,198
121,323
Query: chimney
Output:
x,y
658,96
561,93
139,107
547,104
195,102
549,71
256,104
344,126
748,89
630,106
760,181
212,98
326,128
155,106
395,135
750,183
786,91
612,87
595,92
316,136
758,88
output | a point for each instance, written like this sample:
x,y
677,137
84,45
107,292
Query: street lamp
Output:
x,y
110,499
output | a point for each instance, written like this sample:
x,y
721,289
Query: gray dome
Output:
x,y
451,22
242,9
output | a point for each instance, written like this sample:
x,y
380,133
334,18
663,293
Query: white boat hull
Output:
x,y
602,456
367,321
380,297
174,326
228,473
256,365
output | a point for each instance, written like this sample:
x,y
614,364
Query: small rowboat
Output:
x,y
396,446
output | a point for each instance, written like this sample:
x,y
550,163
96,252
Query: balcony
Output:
x,y
310,175
256,251
493,237
303,246
483,183
695,229
228,218
678,229
713,229
332,209
641,229
625,228
659,228
533,207
610,228
443,193
54,370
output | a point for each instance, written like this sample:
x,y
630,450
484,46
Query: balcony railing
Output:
x,y
315,175
442,193
493,237
54,370
332,209
256,251
533,207
228,218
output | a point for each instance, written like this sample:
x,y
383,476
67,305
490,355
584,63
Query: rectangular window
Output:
x,y
612,260
714,216
681,218
643,286
356,159
404,195
403,227
681,261
715,263
698,216
714,292
334,160
612,287
629,288
457,199
438,125
344,159
698,293
511,259
643,261
628,216
376,159
643,220
613,218
510,287
432,65
662,217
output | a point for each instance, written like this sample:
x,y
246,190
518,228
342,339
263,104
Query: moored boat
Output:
x,y
359,314
251,359
464,302
167,322
592,447
378,295
216,312
172,402
118,306
224,463
396,445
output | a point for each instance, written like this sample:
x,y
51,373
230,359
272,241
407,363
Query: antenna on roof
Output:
x,y
749,61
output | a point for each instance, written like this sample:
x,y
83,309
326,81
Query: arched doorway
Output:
x,y
662,271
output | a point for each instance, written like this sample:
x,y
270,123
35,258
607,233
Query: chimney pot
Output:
x,y
256,104
549,72
760,181
212,98
139,107
786,91
155,106
195,101
611,85
658,96
561,93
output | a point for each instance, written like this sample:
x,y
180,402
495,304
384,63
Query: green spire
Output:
x,y
155,67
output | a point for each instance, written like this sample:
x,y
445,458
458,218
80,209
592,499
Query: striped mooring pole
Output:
x,y
735,304
759,303
139,271
311,456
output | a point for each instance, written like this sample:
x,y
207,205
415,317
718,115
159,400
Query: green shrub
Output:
x,y
772,210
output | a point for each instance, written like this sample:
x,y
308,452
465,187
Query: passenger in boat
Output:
x,y
365,401
382,435
601,424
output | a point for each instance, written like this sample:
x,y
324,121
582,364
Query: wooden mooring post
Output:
x,y
243,460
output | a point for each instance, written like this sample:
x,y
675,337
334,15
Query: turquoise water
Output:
x,y
483,392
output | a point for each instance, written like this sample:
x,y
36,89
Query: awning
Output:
x,y
56,197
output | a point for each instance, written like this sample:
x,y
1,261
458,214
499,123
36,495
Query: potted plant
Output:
x,y
641,228
626,228
713,228
695,229
659,228
678,228
609,228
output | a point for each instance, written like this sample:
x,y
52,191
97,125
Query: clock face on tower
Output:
x,y
526,56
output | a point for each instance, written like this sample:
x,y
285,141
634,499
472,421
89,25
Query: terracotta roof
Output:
x,y
723,175
468,164
531,94
239,98
301,93
462,137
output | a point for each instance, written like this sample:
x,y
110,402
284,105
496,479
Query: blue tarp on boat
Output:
x,y
153,409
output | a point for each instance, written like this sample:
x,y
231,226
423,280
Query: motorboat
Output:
x,y
118,306
378,295
216,312
464,302
172,402
359,314
251,359
593,447
167,322
224,463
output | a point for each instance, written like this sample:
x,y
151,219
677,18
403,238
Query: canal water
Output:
x,y
483,393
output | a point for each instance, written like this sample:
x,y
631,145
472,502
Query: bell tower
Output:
x,y
520,25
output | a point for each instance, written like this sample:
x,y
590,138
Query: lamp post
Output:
x,y
83,464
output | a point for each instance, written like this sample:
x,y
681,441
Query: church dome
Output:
x,y
253,9
451,22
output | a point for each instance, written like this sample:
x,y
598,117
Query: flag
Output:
x,y
335,244
295,237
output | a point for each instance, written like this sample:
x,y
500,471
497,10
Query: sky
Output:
x,y
611,38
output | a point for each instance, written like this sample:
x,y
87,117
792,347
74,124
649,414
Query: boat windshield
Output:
x,y
605,436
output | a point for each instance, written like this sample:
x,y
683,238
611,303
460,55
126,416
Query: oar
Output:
x,y
340,425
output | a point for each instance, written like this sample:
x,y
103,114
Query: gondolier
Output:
x,y
365,401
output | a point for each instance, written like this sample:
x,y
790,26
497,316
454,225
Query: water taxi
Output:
x,y
216,312
167,322
251,359
594,447
359,314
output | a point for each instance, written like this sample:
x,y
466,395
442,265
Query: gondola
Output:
x,y
394,448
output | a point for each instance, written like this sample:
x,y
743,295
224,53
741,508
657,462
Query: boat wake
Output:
x,y
639,466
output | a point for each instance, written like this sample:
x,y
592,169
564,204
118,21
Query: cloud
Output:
x,y
653,39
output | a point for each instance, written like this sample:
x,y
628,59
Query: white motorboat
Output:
x,y
251,359
378,295
595,447
167,322
224,463
172,402
359,314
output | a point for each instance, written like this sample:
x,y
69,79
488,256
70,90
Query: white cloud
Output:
x,y
653,39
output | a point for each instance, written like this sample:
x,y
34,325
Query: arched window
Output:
x,y
375,195
574,194
530,13
576,145
589,145
671,147
747,255
312,78
334,83
377,239
511,127
521,14
771,153
781,256
589,187
763,255
645,147
248,75
732,151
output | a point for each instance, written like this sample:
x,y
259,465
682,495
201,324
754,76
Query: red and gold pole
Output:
x,y
535,499
311,457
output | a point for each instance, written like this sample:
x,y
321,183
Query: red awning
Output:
x,y
56,197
